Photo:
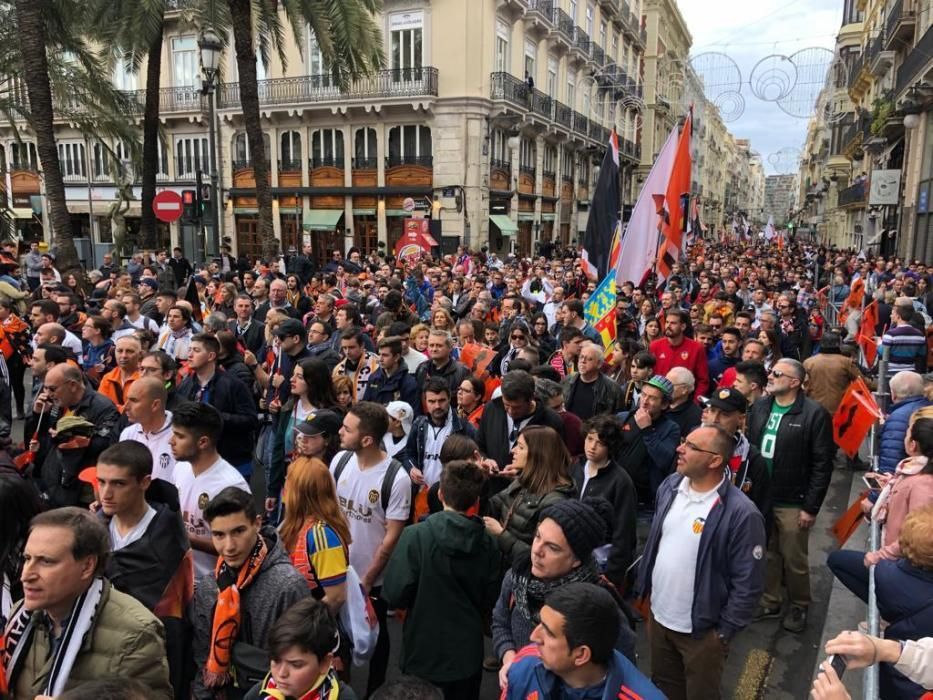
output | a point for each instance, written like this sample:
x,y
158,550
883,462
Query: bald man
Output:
x,y
63,459
115,384
57,334
151,424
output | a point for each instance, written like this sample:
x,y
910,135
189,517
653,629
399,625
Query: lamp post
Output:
x,y
210,47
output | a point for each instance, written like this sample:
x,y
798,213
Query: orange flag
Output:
x,y
853,419
677,186
866,332
849,521
477,357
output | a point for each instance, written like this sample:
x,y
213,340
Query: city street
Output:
x,y
765,661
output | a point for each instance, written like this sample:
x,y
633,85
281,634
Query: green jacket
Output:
x,y
125,641
519,511
445,572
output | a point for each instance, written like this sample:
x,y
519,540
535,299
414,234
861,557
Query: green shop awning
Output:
x,y
322,219
505,224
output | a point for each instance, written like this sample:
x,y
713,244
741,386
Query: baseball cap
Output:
x,y
401,411
662,384
320,423
728,400
289,327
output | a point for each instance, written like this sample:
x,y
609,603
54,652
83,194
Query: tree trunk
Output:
x,y
151,145
32,39
242,21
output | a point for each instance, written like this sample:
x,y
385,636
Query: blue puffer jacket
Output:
x,y
892,434
905,600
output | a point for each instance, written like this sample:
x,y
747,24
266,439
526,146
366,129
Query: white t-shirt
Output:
x,y
360,495
434,440
674,574
119,542
144,323
163,463
194,493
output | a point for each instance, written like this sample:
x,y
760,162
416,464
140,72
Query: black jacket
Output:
x,y
253,338
237,368
614,484
264,307
749,473
235,402
493,434
412,455
300,265
607,395
687,416
803,454
401,386
326,354
453,373
60,468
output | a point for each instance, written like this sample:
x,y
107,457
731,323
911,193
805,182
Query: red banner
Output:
x,y
849,521
853,419
866,333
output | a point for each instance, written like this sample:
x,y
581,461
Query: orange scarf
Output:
x,y
226,625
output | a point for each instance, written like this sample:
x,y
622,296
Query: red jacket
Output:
x,y
689,354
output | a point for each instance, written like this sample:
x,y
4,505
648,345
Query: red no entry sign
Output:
x,y
167,206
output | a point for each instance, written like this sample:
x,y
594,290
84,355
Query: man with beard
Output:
x,y
248,330
677,350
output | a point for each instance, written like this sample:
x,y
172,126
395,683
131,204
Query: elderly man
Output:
x,y
590,392
278,299
684,410
441,364
72,626
906,397
794,435
117,382
65,452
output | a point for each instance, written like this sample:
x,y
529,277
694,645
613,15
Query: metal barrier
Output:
x,y
870,686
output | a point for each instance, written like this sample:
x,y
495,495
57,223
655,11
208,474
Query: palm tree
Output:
x,y
132,31
43,41
350,44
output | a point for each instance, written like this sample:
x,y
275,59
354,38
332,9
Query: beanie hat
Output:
x,y
662,384
586,524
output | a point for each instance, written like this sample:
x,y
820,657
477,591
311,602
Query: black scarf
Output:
x,y
530,592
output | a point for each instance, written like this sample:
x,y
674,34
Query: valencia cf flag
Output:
x,y
603,221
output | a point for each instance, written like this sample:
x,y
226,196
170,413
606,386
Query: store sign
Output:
x,y
885,188
406,20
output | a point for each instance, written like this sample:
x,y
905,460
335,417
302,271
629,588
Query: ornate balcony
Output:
x,y
384,84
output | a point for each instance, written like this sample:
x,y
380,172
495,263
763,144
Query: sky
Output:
x,y
748,31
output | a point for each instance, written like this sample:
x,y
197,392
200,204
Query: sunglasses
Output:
x,y
517,336
777,374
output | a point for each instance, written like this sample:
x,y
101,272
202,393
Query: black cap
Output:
x,y
319,422
289,327
728,400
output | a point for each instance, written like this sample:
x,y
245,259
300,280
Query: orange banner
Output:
x,y
866,333
849,521
477,357
853,419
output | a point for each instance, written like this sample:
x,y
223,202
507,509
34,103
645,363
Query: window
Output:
x,y
566,163
242,158
502,47
550,160
410,144
71,157
25,156
588,28
184,61
101,164
583,171
290,151
191,155
162,159
501,155
364,149
571,89
327,148
123,78
531,50
586,103
552,76
261,73
602,34
527,155
316,66
406,32
573,10
615,46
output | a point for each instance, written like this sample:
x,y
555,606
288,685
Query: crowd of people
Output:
x,y
233,475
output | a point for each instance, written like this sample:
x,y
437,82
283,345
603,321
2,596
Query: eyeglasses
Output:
x,y
691,446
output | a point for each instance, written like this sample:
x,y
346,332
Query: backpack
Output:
x,y
387,481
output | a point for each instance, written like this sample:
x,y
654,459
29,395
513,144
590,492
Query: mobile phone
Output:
x,y
839,663
871,481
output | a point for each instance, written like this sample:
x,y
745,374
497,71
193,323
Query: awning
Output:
x,y
322,219
505,224
22,212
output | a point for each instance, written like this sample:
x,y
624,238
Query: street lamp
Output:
x,y
211,47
